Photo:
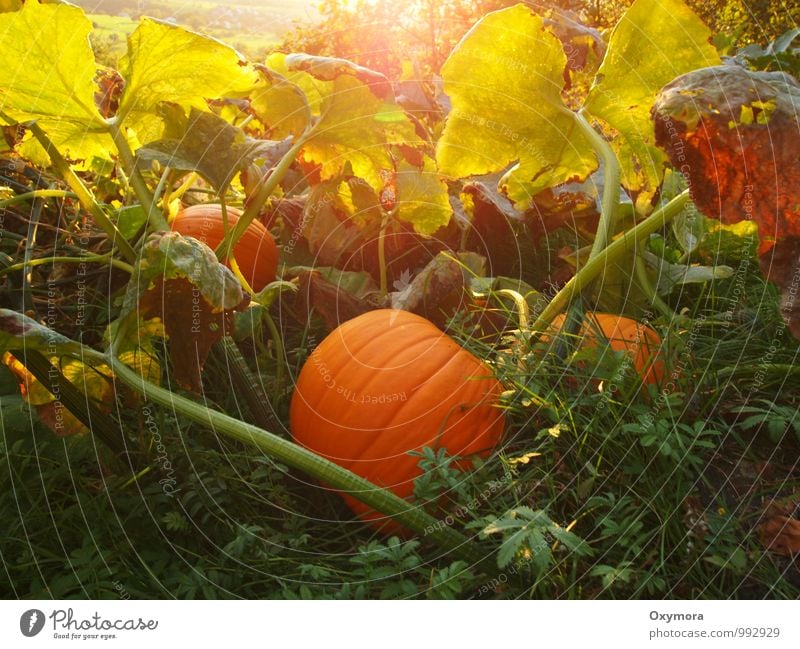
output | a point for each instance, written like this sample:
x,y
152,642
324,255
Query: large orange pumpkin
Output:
x,y
624,334
386,383
256,253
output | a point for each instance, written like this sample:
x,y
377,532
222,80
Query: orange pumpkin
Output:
x,y
624,334
386,383
256,253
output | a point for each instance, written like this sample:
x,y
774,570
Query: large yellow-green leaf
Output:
x,y
504,80
351,130
47,74
654,42
314,89
422,198
166,63
280,104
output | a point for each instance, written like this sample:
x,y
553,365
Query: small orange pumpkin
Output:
x,y
256,253
624,334
388,382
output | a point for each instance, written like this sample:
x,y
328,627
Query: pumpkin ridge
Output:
x,y
472,402
333,368
377,426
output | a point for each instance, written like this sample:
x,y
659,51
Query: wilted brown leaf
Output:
x,y
327,300
780,531
179,281
110,85
191,324
734,135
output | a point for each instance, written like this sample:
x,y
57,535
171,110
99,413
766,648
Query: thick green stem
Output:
x,y
37,193
609,255
88,259
155,219
611,180
257,202
85,196
296,456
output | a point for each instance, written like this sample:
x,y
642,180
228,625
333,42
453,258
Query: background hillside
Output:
x,y
251,26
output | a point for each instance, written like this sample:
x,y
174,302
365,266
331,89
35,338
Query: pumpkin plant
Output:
x,y
388,383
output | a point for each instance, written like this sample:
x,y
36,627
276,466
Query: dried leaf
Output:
x,y
497,229
780,531
735,136
327,300
215,149
178,280
444,276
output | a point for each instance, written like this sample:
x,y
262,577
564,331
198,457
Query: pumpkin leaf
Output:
x,y
689,228
179,280
351,132
47,75
18,331
584,45
443,276
358,283
496,228
654,42
507,107
213,148
357,118
139,352
168,64
130,219
671,275
313,89
342,221
328,223
736,135
327,68
93,382
280,104
422,197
